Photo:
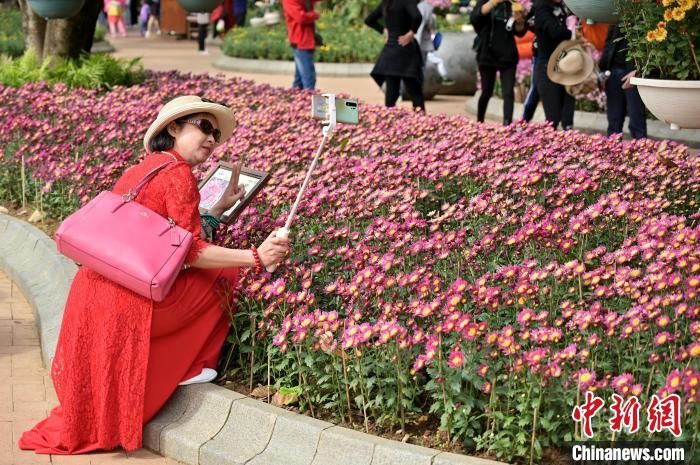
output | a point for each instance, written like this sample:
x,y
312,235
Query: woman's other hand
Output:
x,y
233,193
406,38
273,250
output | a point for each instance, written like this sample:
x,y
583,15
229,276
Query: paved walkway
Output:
x,y
165,53
26,392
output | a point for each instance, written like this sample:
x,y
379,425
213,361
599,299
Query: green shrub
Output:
x,y
342,43
11,36
97,71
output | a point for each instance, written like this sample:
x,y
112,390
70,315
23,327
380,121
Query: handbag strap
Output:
x,y
134,191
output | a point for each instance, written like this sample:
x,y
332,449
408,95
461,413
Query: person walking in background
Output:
x,y
153,18
427,30
551,30
622,99
240,7
301,17
496,23
115,17
532,99
203,23
144,14
400,59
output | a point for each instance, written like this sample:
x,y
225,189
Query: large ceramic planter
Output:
x,y
674,102
56,9
199,6
598,11
271,18
257,22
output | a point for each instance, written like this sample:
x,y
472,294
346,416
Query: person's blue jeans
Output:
x,y
304,69
533,97
624,102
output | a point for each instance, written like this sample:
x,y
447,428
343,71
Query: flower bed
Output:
x,y
481,276
341,43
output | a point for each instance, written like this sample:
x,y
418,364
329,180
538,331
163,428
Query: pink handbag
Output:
x,y
126,242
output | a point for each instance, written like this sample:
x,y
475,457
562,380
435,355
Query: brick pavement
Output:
x,y
26,392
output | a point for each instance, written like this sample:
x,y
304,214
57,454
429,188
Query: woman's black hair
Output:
x,y
163,140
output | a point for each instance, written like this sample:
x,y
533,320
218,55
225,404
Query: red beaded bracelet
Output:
x,y
256,257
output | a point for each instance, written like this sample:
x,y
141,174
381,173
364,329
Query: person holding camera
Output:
x,y
301,17
121,355
496,23
401,58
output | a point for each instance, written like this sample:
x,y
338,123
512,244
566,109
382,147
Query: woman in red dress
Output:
x,y
120,356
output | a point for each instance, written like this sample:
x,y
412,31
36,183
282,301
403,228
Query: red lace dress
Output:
x,y
120,356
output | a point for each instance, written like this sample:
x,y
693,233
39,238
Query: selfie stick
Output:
x,y
328,128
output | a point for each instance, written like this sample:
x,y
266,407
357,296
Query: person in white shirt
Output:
x,y
426,32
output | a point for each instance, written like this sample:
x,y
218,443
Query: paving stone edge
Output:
x,y
249,65
205,424
586,121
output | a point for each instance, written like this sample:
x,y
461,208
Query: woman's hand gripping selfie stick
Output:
x,y
328,128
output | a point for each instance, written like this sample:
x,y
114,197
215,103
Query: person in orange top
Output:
x,y
595,34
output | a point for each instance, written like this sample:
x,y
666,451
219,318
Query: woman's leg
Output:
x,y
488,80
552,94
112,27
392,91
187,332
507,87
202,37
415,90
122,28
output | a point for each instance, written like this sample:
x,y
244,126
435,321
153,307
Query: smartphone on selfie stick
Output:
x,y
329,110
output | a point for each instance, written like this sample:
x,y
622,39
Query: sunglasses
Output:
x,y
206,127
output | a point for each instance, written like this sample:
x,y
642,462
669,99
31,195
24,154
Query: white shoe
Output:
x,y
204,52
205,376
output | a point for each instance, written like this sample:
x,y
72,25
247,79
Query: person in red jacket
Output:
x,y
301,18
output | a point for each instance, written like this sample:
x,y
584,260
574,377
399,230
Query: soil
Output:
x,y
47,225
424,432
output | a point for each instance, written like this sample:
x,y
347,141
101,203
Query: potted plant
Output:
x,y
56,9
597,11
664,38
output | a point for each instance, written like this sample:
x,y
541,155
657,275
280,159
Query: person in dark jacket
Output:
x,y
496,23
400,59
551,30
621,101
301,19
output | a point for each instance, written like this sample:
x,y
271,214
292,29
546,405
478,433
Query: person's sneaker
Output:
x,y
204,52
205,376
448,82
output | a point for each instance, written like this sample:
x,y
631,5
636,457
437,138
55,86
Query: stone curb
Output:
x,y
586,121
31,260
205,424
248,65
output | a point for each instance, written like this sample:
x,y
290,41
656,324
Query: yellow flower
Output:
x,y
686,5
678,14
650,36
660,34
668,2
668,14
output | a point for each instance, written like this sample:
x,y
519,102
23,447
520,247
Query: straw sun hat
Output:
x,y
188,105
570,64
